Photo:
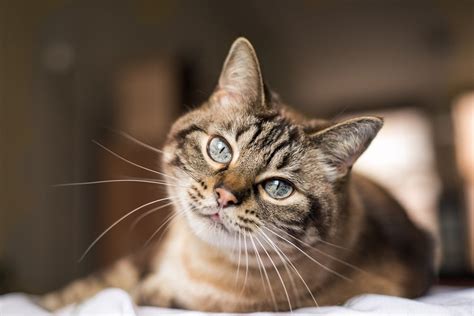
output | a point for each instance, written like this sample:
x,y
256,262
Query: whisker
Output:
x,y
259,269
278,273
135,140
246,264
309,257
318,239
117,222
234,241
153,210
326,254
294,268
132,163
284,261
168,220
238,265
113,181
165,181
167,227
175,217
265,272
331,244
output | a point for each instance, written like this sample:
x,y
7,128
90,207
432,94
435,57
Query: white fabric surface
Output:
x,y
452,302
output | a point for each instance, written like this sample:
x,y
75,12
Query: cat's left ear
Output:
x,y
343,143
241,79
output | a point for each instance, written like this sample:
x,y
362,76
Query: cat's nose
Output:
x,y
225,198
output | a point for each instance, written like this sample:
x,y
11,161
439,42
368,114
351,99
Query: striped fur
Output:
x,y
337,235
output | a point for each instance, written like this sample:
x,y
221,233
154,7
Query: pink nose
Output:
x,y
225,198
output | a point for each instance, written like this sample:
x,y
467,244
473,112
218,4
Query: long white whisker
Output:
x,y
139,142
318,239
171,218
174,218
294,268
259,268
174,183
310,258
153,210
283,260
246,264
117,222
168,220
169,225
278,273
114,181
238,265
234,241
132,163
332,245
326,254
266,274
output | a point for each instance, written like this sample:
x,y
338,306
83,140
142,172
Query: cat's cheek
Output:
x,y
195,223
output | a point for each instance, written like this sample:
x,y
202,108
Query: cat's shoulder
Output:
x,y
388,226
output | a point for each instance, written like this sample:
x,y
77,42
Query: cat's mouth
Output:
x,y
214,218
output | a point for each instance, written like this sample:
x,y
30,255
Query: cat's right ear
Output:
x,y
241,80
343,143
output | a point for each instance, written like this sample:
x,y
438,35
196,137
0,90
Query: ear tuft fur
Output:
x,y
343,143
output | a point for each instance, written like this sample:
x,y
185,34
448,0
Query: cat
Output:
x,y
269,216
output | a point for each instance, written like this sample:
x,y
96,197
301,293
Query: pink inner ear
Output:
x,y
225,98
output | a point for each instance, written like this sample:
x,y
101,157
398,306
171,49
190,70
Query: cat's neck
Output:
x,y
279,256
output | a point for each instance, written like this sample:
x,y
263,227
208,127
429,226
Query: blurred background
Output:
x,y
73,71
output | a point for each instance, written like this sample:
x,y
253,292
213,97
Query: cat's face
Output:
x,y
242,166
262,160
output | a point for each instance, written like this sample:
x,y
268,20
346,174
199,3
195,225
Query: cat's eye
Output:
x,y
278,189
219,150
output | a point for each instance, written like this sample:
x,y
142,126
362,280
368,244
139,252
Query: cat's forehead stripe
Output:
x,y
258,130
283,145
272,135
181,135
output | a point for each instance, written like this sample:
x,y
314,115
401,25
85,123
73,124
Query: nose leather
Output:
x,y
225,198
233,186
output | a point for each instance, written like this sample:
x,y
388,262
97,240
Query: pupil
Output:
x,y
278,185
278,188
219,150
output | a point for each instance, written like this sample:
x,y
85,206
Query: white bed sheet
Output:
x,y
440,301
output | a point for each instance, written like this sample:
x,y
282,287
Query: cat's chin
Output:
x,y
211,231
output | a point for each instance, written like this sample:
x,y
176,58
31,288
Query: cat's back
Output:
x,y
389,233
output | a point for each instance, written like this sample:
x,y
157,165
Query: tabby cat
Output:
x,y
268,214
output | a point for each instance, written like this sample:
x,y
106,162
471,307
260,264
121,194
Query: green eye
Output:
x,y
278,189
219,150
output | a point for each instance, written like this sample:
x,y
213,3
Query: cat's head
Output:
x,y
242,164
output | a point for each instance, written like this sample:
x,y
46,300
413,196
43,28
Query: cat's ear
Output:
x,y
342,143
241,79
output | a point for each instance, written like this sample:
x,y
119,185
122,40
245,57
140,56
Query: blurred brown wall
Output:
x,y
19,26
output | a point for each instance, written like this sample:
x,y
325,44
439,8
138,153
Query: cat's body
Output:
x,y
200,278
270,217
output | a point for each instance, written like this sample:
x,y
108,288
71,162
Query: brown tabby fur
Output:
x,y
338,235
